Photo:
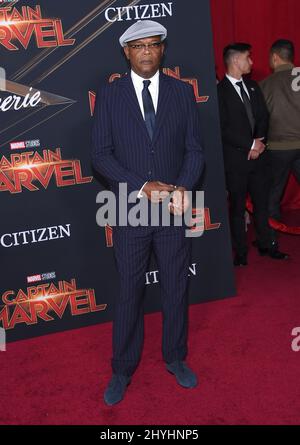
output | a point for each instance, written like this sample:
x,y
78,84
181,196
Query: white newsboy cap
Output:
x,y
142,29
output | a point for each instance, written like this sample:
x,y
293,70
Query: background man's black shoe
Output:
x,y
272,252
240,260
277,255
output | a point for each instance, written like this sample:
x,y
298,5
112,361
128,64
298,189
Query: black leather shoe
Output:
x,y
240,260
116,389
273,253
277,255
184,375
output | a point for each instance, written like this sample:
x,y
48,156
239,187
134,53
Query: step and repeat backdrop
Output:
x,y
57,265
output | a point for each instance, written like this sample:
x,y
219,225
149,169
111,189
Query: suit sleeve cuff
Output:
x,y
140,193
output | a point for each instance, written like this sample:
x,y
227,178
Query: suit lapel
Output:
x,y
129,95
163,104
231,90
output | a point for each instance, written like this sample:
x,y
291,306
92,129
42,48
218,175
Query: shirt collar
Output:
x,y
138,80
233,80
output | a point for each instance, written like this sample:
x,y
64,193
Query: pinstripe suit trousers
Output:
x,y
133,246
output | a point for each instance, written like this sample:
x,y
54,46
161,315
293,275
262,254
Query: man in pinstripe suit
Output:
x,y
146,134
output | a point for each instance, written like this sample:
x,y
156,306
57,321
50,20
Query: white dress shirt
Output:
x,y
153,88
154,91
238,90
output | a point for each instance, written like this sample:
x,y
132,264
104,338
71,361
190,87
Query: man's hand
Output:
x,y
157,191
253,154
180,202
259,145
257,150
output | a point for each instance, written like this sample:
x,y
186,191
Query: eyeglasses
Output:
x,y
143,46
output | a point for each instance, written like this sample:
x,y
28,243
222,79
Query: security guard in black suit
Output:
x,y
244,126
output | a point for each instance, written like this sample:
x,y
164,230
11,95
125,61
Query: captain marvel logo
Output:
x,y
19,27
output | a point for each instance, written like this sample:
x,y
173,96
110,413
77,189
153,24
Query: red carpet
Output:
x,y
240,347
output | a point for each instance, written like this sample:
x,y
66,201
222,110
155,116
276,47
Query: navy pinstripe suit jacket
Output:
x,y
122,150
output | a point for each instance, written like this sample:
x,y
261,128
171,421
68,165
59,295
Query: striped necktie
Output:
x,y
149,110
